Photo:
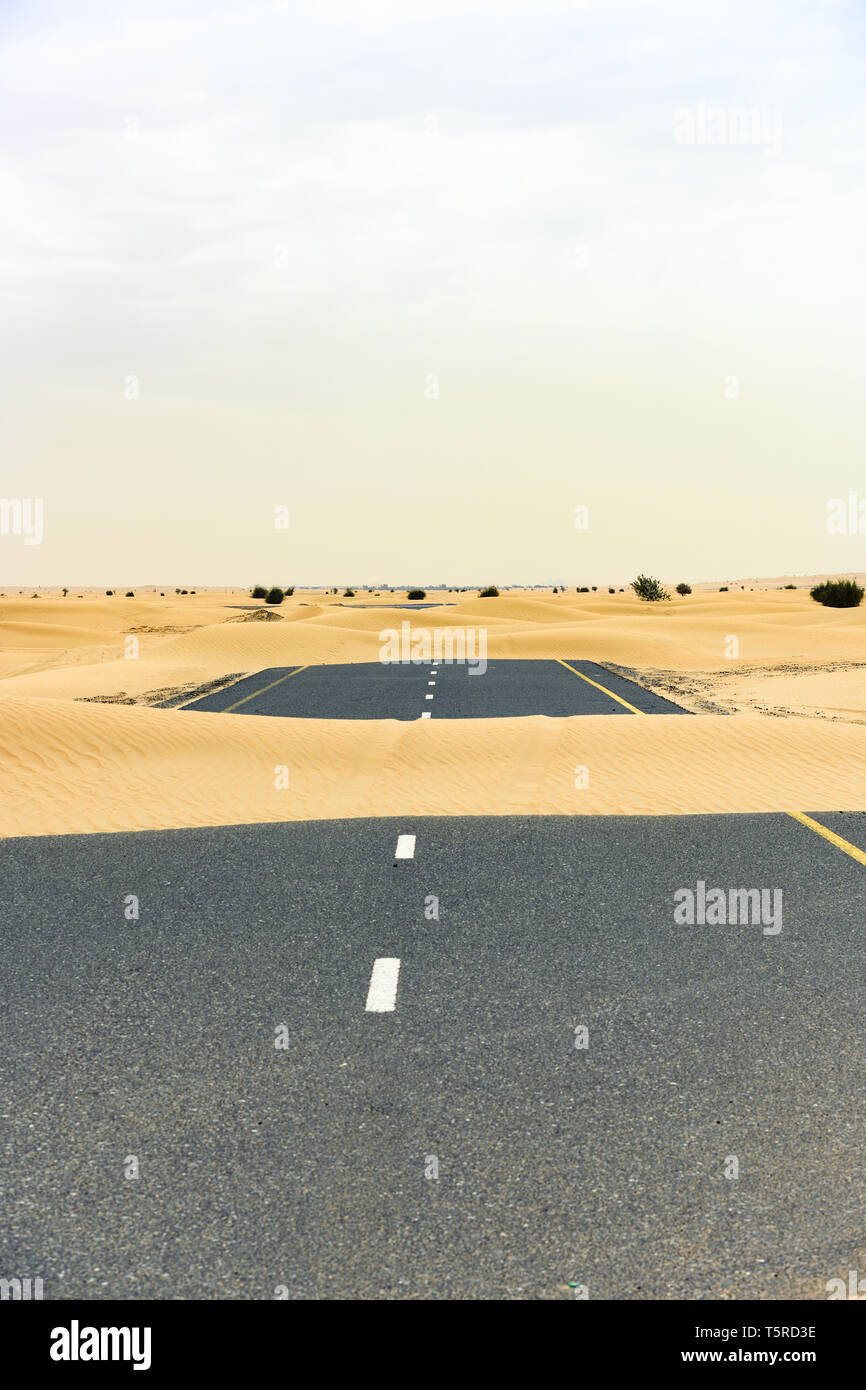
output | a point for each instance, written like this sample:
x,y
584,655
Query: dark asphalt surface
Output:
x,y
399,691
305,1167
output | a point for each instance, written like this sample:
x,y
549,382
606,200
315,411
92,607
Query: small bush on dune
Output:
x,y
837,593
274,595
649,589
109,593
416,594
611,591
490,592
724,589
790,586
258,592
288,592
348,593
684,589
130,594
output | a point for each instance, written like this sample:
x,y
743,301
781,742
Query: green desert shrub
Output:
x,y
109,593
130,594
684,589
490,592
837,593
789,586
258,592
348,593
416,594
288,592
611,591
274,595
649,589
724,589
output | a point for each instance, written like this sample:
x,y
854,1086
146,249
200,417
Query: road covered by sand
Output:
x,y
778,684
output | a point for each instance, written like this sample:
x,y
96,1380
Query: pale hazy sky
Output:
x,y
283,220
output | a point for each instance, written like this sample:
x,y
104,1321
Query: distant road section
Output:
x,y
507,689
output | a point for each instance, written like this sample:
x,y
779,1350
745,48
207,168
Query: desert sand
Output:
x,y
782,724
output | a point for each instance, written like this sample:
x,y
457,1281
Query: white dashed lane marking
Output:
x,y
428,697
382,994
426,714
405,847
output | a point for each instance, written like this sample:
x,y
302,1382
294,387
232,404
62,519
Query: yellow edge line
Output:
x,y
230,685
252,696
618,698
800,816
834,839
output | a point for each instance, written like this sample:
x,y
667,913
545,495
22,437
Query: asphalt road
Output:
x,y
443,691
304,1167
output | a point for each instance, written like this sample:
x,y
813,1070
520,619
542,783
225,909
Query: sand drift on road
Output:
x,y
99,768
417,740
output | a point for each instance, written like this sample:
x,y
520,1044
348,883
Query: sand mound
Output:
x,y
85,768
70,766
259,615
50,635
47,658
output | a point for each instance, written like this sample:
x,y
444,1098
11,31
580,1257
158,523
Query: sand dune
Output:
x,y
72,766
82,768
46,635
684,635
